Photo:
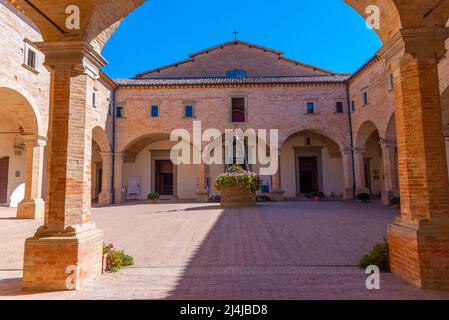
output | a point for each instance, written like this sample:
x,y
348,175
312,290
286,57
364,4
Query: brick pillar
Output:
x,y
348,176
390,181
359,166
33,206
119,189
67,250
105,196
202,194
419,239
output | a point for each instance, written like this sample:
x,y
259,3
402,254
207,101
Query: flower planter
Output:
x,y
317,199
237,196
152,201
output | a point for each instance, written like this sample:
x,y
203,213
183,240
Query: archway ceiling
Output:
x,y
100,18
16,114
331,145
137,145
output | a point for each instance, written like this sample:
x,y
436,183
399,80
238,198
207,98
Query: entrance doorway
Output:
x,y
164,177
308,174
4,168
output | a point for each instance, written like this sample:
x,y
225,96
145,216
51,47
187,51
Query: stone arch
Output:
x,y
101,139
390,131
18,106
328,133
364,132
311,165
101,18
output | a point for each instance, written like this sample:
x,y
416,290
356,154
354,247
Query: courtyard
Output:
x,y
285,250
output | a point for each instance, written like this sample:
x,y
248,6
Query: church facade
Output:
x,y
336,131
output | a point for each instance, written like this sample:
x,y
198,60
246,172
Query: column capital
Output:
x,y
346,151
359,150
422,43
34,140
105,154
388,145
78,57
120,156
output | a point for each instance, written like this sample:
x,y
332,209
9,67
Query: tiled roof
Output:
x,y
156,82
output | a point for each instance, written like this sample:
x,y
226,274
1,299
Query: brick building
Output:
x,y
109,138
327,122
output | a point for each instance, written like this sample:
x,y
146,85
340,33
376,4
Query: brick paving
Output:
x,y
290,250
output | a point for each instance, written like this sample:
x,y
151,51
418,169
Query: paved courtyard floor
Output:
x,y
289,250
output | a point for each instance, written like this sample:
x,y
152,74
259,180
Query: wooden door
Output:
x,y
308,174
4,168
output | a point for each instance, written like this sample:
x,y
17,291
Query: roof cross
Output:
x,y
235,34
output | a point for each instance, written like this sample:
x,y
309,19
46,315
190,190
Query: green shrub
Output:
x,y
250,180
396,201
153,196
379,256
263,198
363,197
317,194
117,259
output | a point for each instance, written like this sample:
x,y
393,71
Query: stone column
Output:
x,y
389,162
359,166
119,188
348,176
33,206
202,195
105,196
419,239
67,250
276,193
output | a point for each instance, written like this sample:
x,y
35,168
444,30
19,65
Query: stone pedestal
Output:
x,y
277,195
33,209
387,196
237,196
202,196
420,254
62,261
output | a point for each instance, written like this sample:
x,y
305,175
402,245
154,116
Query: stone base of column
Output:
x,y
63,261
202,196
34,209
363,190
277,195
420,255
348,194
119,197
104,198
387,196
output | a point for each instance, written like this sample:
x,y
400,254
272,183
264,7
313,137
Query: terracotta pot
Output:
x,y
237,196
397,206
150,201
317,198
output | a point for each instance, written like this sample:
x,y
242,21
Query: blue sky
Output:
x,y
325,33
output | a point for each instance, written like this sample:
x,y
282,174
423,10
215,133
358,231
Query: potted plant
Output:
x,y
396,202
317,195
114,259
363,197
238,188
152,197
